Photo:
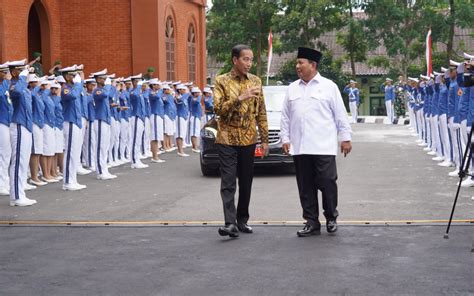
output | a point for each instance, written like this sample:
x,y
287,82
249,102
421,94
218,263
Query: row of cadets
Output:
x,y
389,91
157,112
354,99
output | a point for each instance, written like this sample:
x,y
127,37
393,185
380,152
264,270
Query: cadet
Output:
x,y
170,118
195,119
71,101
354,101
90,139
124,120
114,102
453,117
49,136
443,118
182,111
38,124
102,123
387,88
6,111
208,104
20,133
138,119
58,160
157,115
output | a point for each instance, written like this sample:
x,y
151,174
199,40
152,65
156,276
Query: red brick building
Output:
x,y
125,36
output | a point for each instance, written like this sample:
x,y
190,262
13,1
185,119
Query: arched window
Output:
x,y
191,54
170,47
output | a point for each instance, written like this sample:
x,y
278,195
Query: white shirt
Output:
x,y
313,117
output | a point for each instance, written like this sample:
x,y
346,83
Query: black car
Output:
x,y
274,96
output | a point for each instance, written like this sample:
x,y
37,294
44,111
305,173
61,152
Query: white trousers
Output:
x,y
85,123
389,107
5,155
455,134
411,114
114,140
464,134
353,107
20,139
428,130
145,146
102,130
90,145
124,151
136,139
436,142
444,137
419,123
72,157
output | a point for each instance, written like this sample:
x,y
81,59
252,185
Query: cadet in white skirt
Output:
x,y
182,111
49,136
58,160
157,113
38,124
169,119
195,119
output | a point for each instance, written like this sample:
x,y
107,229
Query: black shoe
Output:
x,y
309,230
243,227
230,230
331,226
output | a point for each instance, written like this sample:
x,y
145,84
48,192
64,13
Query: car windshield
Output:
x,y
274,98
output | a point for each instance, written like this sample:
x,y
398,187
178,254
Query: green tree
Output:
x,y
231,22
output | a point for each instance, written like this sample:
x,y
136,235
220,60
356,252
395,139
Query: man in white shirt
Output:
x,y
313,118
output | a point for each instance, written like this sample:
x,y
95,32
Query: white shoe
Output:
x,y
36,183
28,186
438,158
169,150
419,141
139,166
454,173
59,178
51,180
427,148
467,183
174,148
142,156
4,191
148,154
446,163
82,171
115,163
431,153
158,160
161,152
93,169
106,177
183,154
74,187
196,151
22,202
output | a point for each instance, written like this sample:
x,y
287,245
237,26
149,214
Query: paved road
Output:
x,y
387,177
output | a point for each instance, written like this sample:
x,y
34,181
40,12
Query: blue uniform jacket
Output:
x,y
182,106
71,100
156,103
146,99
101,101
170,106
196,107
353,94
90,106
123,98
58,112
6,108
138,103
20,96
38,106
453,101
443,99
49,115
435,100
389,91
427,100
209,104
84,111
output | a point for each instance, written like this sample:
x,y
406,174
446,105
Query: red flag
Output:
x,y
270,53
429,67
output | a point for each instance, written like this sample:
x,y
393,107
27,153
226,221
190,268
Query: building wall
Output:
x,y
125,36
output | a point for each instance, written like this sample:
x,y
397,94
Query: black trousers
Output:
x,y
313,173
236,162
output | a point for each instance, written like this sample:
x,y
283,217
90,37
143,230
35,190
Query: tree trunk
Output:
x,y
259,47
351,36
449,47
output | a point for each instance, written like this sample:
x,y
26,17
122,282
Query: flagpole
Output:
x,y
270,53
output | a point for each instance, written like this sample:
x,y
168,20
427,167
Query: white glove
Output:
x,y
460,68
108,81
77,79
25,72
140,83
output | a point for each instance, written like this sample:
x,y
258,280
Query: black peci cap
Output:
x,y
309,53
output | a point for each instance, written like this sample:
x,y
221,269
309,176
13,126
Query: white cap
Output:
x,y
51,77
60,79
55,85
139,76
154,81
468,57
443,69
111,76
437,73
424,77
388,79
4,66
128,79
189,83
181,86
90,80
195,90
453,63
176,82
413,79
207,90
17,64
68,69
44,81
166,86
32,78
99,73
353,81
